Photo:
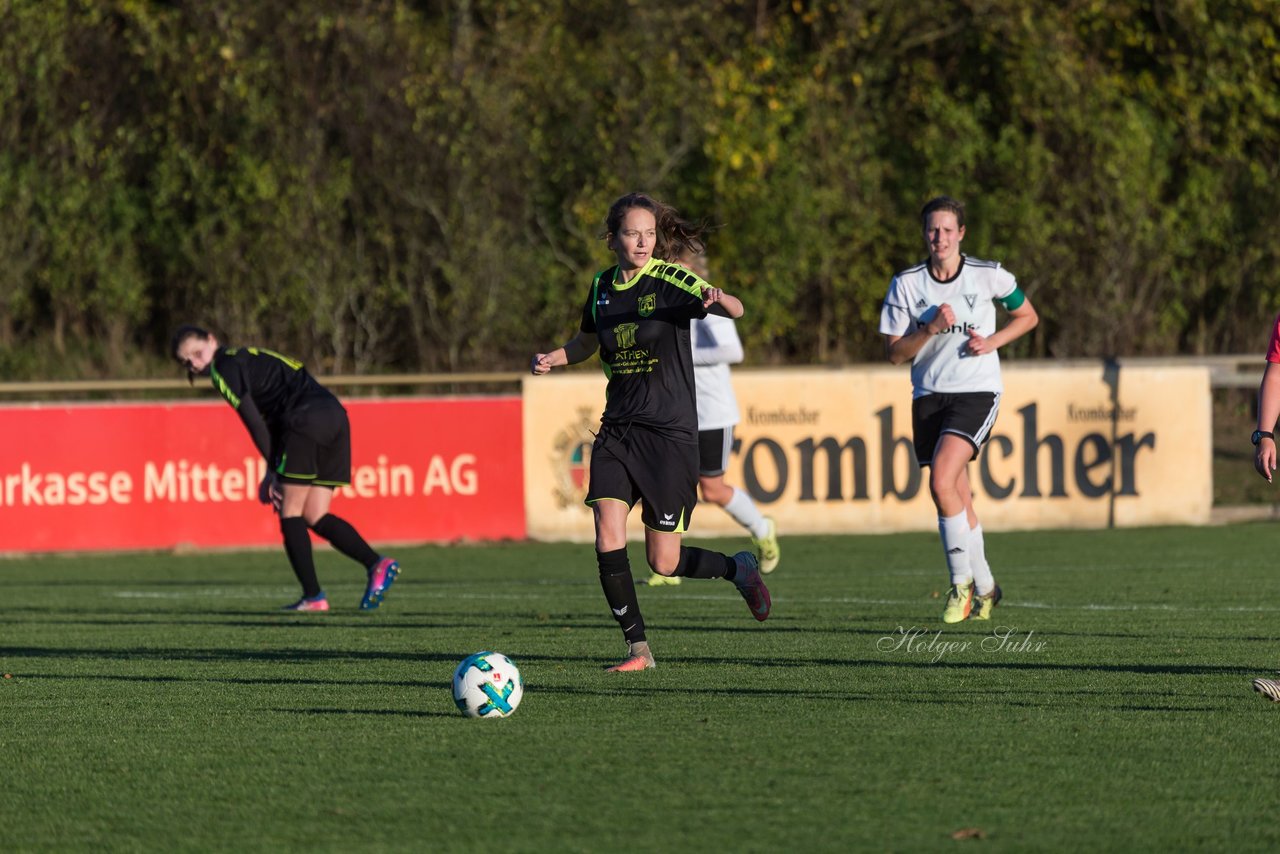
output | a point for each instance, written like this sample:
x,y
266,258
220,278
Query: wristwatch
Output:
x,y
1259,435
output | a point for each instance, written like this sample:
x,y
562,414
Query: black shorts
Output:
x,y
713,451
635,463
969,415
316,446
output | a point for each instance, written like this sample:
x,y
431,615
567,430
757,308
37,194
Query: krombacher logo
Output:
x,y
1012,466
838,468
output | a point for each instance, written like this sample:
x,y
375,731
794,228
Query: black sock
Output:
x,y
297,545
346,539
620,593
701,563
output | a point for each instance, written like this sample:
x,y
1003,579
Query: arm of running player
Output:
x,y
1264,458
716,301
580,347
899,349
1021,321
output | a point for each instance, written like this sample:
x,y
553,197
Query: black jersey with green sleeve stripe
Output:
x,y
263,387
645,347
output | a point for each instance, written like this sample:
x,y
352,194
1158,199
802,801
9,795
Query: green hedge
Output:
x,y
400,186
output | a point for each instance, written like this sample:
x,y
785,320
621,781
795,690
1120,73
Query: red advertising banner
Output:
x,y
139,476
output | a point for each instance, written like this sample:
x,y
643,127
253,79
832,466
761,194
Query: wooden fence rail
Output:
x,y
1232,371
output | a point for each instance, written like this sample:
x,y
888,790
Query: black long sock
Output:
x,y
701,563
297,545
620,593
346,539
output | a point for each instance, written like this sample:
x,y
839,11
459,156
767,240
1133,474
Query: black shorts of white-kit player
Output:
x,y
631,463
713,451
970,415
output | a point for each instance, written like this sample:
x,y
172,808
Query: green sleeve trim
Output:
x,y
682,277
595,297
261,351
223,389
1015,298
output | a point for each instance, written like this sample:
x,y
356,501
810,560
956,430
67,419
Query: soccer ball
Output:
x,y
487,685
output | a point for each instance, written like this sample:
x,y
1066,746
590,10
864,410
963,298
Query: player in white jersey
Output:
x,y
716,346
941,315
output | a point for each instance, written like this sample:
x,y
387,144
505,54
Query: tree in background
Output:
x,y
382,185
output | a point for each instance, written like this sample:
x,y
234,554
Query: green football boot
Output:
x,y
984,605
959,603
656,580
767,551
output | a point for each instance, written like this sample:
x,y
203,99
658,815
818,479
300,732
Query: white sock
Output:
x,y
745,512
983,581
955,544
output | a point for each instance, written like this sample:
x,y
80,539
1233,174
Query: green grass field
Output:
x,y
160,702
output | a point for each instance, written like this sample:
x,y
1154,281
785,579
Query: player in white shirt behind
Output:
x,y
941,316
716,346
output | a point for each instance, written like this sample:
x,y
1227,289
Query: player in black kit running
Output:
x,y
302,431
637,315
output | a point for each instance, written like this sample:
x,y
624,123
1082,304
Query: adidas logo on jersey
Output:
x,y
922,304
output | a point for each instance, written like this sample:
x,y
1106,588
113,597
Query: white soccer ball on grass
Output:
x,y
487,685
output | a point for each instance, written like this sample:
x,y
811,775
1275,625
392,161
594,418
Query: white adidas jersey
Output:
x,y
716,346
944,365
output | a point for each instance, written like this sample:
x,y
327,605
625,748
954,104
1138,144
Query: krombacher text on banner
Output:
x,y
829,451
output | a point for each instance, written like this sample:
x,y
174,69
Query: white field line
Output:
x,y
496,596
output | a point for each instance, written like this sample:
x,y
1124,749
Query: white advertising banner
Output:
x,y
829,451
